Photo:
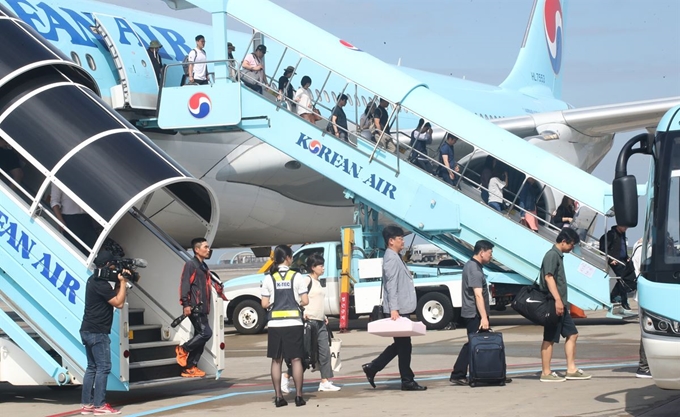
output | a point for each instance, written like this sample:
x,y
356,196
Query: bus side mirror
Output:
x,y
624,190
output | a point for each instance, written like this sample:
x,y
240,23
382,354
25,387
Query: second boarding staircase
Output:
x,y
384,180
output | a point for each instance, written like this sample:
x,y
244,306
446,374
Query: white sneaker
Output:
x,y
328,386
284,385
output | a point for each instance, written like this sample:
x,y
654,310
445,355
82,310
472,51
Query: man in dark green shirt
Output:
x,y
554,279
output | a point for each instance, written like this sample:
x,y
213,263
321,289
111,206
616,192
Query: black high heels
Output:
x,y
280,402
299,401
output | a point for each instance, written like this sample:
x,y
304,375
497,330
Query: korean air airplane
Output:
x,y
266,197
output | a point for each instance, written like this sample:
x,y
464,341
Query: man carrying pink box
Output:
x,y
399,300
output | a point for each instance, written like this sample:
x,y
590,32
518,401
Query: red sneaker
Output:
x,y
105,410
87,409
182,356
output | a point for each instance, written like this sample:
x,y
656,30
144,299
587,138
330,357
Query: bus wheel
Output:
x,y
434,310
249,317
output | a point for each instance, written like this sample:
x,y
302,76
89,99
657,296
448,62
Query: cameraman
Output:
x,y
194,288
100,296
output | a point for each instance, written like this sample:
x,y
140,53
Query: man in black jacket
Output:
x,y
194,289
615,244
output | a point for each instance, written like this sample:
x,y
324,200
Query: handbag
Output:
x,y
629,277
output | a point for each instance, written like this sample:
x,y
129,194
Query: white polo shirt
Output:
x,y
198,57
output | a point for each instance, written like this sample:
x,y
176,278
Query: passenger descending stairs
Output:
x,y
423,203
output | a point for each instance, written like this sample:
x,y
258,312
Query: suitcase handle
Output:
x,y
489,330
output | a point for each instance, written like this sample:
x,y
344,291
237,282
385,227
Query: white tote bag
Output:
x,y
336,361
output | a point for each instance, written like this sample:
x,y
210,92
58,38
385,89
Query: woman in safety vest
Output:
x,y
284,291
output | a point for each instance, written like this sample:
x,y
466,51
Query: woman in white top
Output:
x,y
305,99
314,312
496,185
253,69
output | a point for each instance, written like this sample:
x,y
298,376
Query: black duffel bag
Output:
x,y
536,305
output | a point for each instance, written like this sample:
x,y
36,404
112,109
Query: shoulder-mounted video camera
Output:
x,y
105,260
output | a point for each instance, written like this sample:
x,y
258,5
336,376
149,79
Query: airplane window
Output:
x,y
349,100
326,96
318,94
363,99
75,57
90,62
335,98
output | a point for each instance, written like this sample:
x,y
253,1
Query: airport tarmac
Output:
x,y
607,348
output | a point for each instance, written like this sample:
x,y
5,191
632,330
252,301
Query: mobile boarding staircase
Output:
x,y
52,117
376,176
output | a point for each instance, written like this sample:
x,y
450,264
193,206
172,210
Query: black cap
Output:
x,y
261,48
105,257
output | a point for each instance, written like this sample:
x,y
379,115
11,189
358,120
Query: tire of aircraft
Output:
x,y
441,304
249,317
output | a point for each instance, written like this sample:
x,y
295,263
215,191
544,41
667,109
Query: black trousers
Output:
x,y
460,368
81,226
202,333
402,348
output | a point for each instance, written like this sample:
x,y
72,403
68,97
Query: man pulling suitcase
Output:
x,y
487,353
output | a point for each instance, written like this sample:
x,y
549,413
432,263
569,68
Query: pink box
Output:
x,y
402,327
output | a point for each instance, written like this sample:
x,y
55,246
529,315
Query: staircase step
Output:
x,y
166,381
151,351
136,316
154,370
145,333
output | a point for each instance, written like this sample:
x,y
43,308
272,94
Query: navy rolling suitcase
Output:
x,y
487,358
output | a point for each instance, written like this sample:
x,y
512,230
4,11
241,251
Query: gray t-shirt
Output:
x,y
473,277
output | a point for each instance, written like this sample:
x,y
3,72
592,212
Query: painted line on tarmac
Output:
x,y
351,384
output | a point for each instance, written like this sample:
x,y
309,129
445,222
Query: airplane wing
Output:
x,y
593,121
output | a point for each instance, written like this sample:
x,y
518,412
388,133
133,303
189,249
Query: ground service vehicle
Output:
x,y
438,288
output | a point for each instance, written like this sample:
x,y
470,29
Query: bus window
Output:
x,y
672,251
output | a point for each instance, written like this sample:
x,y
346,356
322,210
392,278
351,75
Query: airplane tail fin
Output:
x,y
537,69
